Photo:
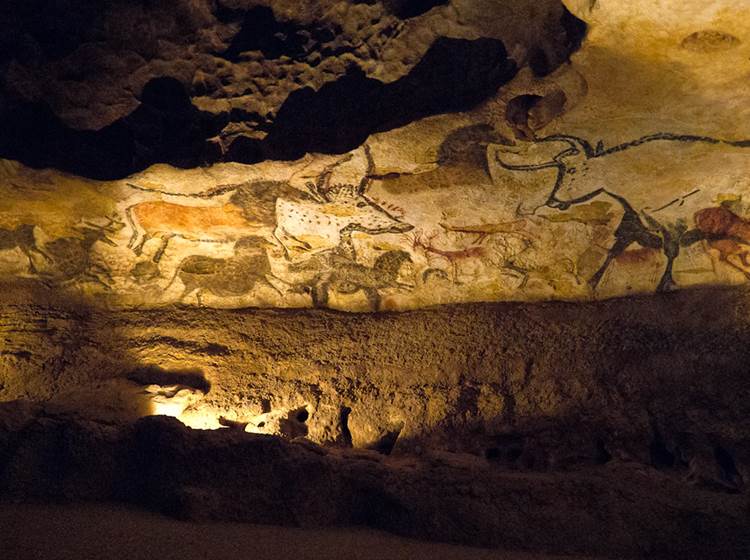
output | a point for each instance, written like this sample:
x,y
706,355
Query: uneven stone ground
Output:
x,y
75,531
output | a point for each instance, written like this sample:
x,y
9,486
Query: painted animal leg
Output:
x,y
373,297
319,292
739,266
94,278
138,249
163,247
32,267
270,284
630,230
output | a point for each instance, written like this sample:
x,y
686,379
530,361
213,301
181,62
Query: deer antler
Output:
x,y
322,184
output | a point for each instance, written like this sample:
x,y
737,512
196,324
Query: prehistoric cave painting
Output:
x,y
318,224
548,219
300,221
659,181
336,272
72,260
23,238
728,234
238,275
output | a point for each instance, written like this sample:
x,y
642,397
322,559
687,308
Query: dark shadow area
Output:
x,y
261,31
454,75
165,128
155,375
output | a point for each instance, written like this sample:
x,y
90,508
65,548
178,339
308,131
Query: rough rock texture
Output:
x,y
531,387
475,163
380,156
122,85
620,509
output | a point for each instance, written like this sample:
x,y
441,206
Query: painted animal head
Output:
x,y
351,208
335,210
252,245
545,153
561,156
93,232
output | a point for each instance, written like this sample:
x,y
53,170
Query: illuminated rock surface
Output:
x,y
206,209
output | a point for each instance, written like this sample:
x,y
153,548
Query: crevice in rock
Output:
x,y
155,375
727,466
388,440
602,456
661,456
346,435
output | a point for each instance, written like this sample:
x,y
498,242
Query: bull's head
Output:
x,y
559,153
552,151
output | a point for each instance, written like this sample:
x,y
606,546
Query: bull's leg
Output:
x,y
163,247
138,249
32,266
671,251
630,230
615,251
319,292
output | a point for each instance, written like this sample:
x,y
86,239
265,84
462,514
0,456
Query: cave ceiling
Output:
x,y
372,155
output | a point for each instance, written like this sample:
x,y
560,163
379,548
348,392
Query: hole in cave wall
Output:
x,y
166,127
602,456
345,437
387,441
661,456
727,466
156,375
453,75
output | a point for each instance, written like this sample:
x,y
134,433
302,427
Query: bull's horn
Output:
x,y
498,149
579,144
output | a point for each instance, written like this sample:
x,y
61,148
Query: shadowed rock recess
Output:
x,y
468,271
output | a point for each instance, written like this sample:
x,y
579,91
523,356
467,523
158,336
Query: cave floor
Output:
x,y
93,531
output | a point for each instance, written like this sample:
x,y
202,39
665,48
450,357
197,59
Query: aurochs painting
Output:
x,y
466,215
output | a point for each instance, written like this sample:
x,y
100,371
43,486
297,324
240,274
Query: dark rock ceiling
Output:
x,y
104,89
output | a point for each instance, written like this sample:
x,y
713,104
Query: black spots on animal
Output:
x,y
257,199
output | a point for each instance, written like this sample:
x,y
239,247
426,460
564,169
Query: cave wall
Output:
x,y
401,161
483,263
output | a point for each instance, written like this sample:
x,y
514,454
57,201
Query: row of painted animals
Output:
x,y
657,179
249,268
475,251
68,258
266,208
